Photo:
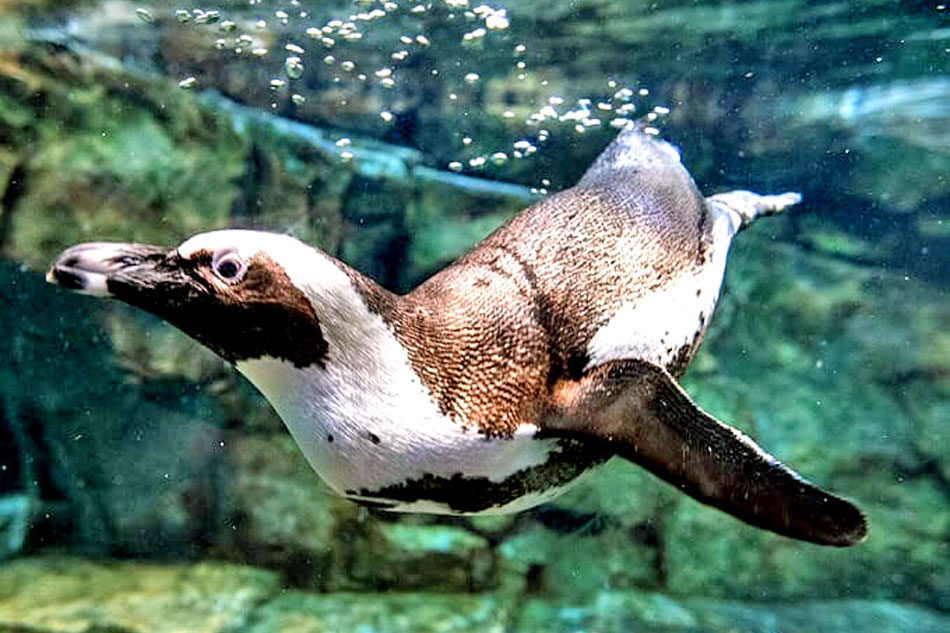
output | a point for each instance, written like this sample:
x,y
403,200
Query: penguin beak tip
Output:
x,y
76,280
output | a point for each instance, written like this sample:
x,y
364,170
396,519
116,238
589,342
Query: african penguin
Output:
x,y
551,346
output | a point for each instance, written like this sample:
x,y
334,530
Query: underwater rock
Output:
x,y
651,612
74,595
396,612
280,515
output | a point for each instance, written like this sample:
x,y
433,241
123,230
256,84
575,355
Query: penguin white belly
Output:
x,y
387,444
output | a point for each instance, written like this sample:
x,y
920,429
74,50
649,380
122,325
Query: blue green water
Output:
x,y
145,486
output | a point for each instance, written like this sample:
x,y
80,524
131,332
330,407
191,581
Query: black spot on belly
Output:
x,y
373,438
471,494
330,438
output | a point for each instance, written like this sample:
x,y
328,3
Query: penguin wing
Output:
x,y
638,411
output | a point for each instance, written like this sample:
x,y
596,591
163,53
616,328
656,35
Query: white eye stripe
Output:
x,y
229,265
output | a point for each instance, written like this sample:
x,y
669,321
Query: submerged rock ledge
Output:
x,y
55,594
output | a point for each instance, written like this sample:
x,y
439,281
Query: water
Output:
x,y
145,486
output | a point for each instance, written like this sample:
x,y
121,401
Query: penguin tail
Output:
x,y
745,206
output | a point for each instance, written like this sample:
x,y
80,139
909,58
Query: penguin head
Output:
x,y
243,294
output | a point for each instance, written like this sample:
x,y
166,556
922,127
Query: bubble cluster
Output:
x,y
450,41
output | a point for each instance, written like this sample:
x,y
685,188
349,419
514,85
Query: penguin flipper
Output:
x,y
638,411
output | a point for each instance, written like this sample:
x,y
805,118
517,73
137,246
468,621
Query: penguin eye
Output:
x,y
229,266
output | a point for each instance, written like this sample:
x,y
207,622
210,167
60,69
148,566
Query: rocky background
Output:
x,y
145,487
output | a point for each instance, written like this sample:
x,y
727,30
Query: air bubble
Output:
x,y
293,48
455,165
474,35
497,21
276,84
144,15
526,147
386,116
187,83
624,94
206,17
343,142
298,99
499,158
228,26
471,78
293,67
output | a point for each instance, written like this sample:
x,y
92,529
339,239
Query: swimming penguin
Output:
x,y
551,346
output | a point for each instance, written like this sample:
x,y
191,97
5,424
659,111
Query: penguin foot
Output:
x,y
746,206
636,410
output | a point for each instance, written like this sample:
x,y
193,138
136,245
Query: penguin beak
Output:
x,y
109,269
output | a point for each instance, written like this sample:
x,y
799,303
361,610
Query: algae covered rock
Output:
x,y
73,595
391,612
651,613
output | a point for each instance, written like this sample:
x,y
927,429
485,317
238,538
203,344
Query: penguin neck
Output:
x,y
367,380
